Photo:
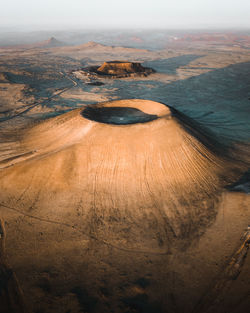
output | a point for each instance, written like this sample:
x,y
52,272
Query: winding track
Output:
x,y
84,233
29,107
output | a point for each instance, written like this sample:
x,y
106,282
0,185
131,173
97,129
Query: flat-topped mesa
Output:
x,y
120,69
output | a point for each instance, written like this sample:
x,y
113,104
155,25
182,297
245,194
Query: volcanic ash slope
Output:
x,y
134,174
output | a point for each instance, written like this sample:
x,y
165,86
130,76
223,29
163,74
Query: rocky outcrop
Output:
x,y
119,69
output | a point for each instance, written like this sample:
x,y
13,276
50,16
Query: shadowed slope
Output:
x,y
136,186
11,296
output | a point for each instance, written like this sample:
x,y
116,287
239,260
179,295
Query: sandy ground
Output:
x,y
12,98
61,270
90,96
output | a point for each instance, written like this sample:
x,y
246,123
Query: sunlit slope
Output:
x,y
146,184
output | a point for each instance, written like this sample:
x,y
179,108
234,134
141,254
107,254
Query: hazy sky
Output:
x,y
126,13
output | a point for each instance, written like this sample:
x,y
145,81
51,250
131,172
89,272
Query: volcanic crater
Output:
x,y
113,211
118,69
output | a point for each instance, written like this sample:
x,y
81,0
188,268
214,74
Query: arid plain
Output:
x,y
127,193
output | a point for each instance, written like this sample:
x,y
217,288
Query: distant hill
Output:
x,y
49,43
92,45
52,42
94,48
226,39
